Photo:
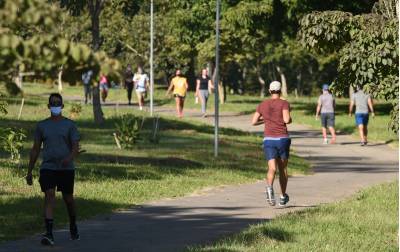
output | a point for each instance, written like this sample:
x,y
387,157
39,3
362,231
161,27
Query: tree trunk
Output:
x,y
221,92
261,81
59,80
95,7
243,81
298,84
283,81
97,111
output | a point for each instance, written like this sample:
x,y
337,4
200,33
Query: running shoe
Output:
x,y
74,233
283,200
363,143
270,195
325,141
47,239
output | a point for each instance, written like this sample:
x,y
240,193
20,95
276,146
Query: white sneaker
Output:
x,y
140,108
325,141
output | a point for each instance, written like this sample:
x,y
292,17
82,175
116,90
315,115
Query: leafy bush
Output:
x,y
12,141
76,110
128,130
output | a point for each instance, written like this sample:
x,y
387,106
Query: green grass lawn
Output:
x,y
109,179
303,109
332,227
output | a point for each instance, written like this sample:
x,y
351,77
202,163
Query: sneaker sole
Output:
x,y
46,242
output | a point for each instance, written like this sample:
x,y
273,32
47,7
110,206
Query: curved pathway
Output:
x,y
172,224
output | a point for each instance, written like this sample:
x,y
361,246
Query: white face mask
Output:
x,y
56,110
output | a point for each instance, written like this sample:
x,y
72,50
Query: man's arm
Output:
x,y
286,116
257,119
197,87
351,107
371,106
318,108
74,153
33,156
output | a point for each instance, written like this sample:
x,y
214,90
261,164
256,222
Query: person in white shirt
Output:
x,y
141,81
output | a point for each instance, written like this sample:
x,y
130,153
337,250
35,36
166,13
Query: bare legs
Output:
x,y
140,97
333,134
273,164
363,130
180,102
49,203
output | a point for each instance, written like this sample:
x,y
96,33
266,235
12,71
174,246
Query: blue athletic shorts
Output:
x,y
277,148
362,118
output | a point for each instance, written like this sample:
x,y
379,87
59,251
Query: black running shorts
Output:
x,y
63,180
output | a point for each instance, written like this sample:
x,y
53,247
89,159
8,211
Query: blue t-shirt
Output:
x,y
57,138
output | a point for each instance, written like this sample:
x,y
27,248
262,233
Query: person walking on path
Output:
x,y
103,87
86,79
60,139
326,107
178,87
364,105
203,85
142,83
129,83
274,113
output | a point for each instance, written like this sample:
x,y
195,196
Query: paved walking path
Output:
x,y
171,225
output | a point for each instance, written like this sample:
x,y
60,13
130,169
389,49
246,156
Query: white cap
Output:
x,y
275,86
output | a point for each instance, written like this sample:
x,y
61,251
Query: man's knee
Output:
x,y
68,198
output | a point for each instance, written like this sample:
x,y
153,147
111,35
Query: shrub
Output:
x,y
12,141
128,129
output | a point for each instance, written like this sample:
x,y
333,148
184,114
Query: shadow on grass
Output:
x,y
24,216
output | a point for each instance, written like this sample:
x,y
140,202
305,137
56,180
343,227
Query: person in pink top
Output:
x,y
103,87
274,113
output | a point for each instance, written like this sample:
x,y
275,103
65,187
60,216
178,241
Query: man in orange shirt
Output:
x,y
179,87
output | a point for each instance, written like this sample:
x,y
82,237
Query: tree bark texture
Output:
x,y
95,8
283,81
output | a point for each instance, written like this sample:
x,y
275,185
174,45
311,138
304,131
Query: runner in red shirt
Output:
x,y
274,113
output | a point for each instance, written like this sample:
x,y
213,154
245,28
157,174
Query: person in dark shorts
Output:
x,y
60,139
203,85
129,83
179,87
326,106
364,105
274,113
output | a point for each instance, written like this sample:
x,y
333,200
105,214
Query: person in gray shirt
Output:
x,y
364,105
326,107
60,139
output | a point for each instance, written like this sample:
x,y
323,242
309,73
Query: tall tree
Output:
x,y
367,46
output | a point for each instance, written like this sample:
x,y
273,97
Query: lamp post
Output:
x,y
216,80
151,57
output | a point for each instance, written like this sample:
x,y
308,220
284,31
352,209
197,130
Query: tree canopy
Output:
x,y
367,46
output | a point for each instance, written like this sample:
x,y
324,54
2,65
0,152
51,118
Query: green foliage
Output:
x,y
128,129
31,40
12,140
367,46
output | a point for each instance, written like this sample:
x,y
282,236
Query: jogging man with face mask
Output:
x,y
60,139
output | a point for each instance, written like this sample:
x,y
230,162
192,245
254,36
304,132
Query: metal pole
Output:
x,y
151,58
216,80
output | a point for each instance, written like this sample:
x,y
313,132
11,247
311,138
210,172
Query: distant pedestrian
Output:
x,y
274,113
129,83
179,87
103,87
141,81
364,105
87,87
203,85
60,139
326,106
